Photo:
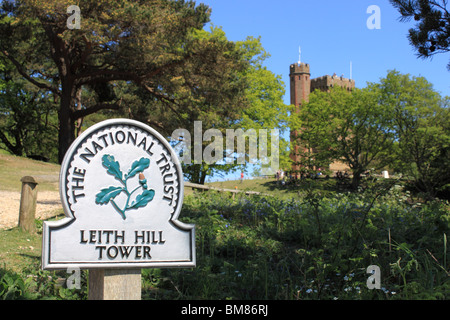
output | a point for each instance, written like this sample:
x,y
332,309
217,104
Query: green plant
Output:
x,y
14,287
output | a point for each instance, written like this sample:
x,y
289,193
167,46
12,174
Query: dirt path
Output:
x,y
48,205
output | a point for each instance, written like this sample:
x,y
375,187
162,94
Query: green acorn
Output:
x,y
142,180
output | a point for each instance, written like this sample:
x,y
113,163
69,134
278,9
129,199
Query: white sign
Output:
x,y
122,189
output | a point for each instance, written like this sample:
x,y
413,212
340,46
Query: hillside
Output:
x,y
13,168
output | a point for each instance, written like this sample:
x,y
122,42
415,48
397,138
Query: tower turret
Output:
x,y
300,78
300,83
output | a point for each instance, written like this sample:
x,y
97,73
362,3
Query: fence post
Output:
x,y
28,199
114,284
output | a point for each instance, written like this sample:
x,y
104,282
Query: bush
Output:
x,y
36,284
311,248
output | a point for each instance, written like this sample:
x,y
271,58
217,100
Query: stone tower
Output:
x,y
301,85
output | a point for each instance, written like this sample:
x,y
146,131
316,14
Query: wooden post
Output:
x,y
114,284
28,199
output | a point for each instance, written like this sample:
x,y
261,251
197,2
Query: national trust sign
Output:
x,y
121,187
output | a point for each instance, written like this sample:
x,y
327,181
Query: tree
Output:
x,y
432,32
351,127
28,118
154,45
261,108
422,127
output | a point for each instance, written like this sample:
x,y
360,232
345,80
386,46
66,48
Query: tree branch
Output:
x,y
95,108
163,98
103,75
7,143
86,52
26,76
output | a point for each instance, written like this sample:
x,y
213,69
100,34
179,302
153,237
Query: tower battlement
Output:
x,y
301,68
326,82
300,83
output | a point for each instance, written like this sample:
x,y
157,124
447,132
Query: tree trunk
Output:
x,y
202,176
356,179
66,124
79,121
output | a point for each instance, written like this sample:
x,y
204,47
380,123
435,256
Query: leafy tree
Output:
x,y
154,45
256,105
351,127
28,118
260,107
266,109
432,32
422,126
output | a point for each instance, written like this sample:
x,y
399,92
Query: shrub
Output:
x,y
312,247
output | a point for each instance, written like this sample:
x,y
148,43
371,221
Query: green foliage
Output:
x,y
14,287
420,121
258,105
313,247
401,123
156,49
35,284
346,126
431,33
28,118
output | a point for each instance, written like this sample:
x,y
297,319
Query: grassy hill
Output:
x,y
13,168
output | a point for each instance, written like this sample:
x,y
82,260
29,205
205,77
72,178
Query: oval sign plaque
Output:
x,y
121,187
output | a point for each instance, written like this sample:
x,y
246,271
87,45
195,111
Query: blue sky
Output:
x,y
331,34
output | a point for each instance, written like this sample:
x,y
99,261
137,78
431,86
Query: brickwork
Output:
x,y
300,83
324,83
300,79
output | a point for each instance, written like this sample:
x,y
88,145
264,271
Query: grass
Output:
x,y
13,168
270,186
19,249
